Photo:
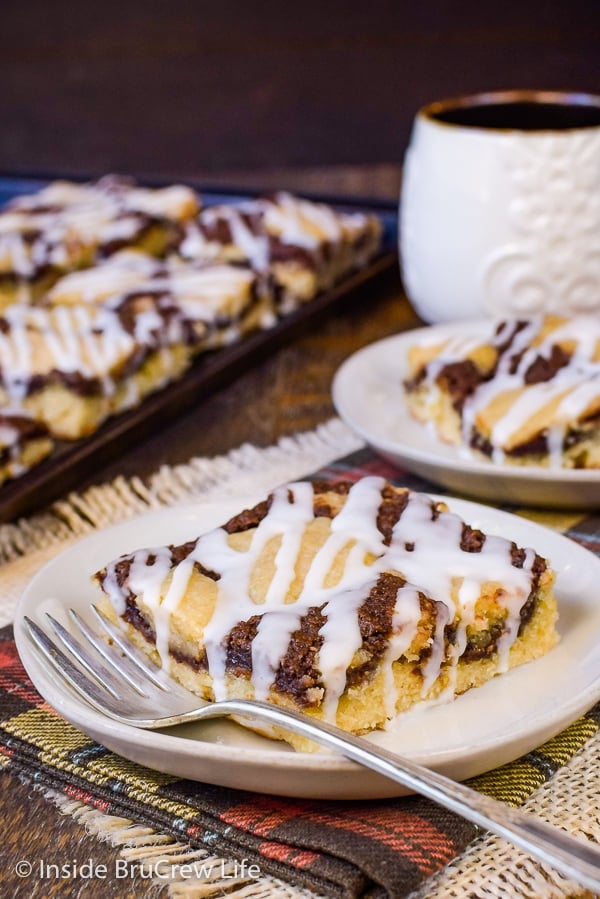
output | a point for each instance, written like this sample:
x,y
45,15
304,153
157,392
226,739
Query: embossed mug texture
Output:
x,y
500,206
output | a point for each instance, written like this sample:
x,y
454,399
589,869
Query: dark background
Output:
x,y
184,88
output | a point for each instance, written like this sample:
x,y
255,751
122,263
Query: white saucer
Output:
x,y
484,728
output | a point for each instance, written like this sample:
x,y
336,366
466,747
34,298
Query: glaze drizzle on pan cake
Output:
x,y
105,357
102,214
217,303
163,278
65,226
350,601
72,366
91,343
305,247
530,393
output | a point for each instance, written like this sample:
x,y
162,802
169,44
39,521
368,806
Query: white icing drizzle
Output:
x,y
172,202
455,578
120,273
253,245
405,620
300,222
432,667
254,224
457,346
214,298
13,441
148,570
576,386
208,292
65,218
341,640
424,549
101,201
87,340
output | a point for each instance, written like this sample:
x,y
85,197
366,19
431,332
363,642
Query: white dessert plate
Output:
x,y
485,727
368,395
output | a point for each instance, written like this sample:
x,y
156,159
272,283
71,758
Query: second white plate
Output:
x,y
368,395
485,727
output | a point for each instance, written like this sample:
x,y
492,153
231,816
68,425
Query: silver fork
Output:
x,y
120,682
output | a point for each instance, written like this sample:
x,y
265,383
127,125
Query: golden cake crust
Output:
x,y
24,443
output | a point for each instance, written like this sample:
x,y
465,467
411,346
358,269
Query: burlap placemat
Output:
x,y
299,847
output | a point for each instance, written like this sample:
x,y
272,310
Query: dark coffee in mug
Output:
x,y
523,116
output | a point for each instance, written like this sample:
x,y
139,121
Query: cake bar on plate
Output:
x,y
526,393
352,602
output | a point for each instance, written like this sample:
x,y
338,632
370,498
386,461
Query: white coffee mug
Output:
x,y
500,206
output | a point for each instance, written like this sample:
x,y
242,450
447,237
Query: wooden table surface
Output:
x,y
286,393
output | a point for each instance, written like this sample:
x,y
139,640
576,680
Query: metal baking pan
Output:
x,y
71,463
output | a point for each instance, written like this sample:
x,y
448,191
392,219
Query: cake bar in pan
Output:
x,y
66,226
70,367
108,291
24,442
218,303
306,247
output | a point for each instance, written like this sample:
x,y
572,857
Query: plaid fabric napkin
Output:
x,y
338,849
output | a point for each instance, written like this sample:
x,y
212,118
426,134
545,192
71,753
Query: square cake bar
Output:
x,y
324,598
527,393
305,247
66,226
217,303
70,367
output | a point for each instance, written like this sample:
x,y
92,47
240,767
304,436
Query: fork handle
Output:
x,y
571,856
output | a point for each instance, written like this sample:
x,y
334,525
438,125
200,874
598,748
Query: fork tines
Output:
x,y
104,668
